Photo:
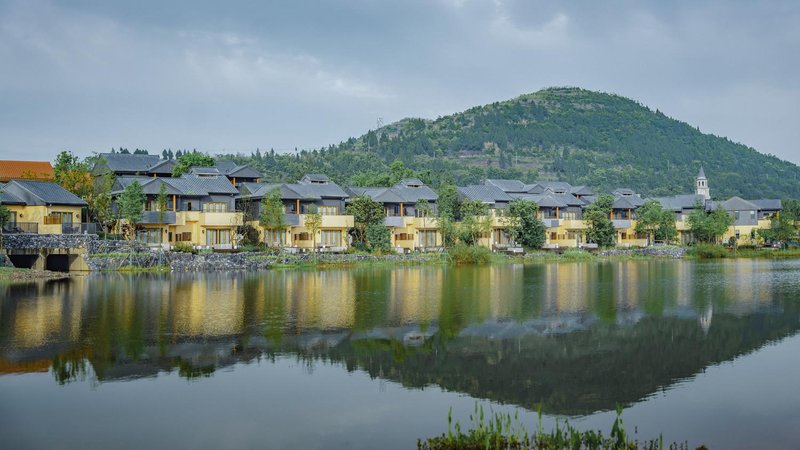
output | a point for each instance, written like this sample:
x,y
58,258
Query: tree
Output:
x,y
131,207
655,222
313,222
474,221
365,212
524,226
191,159
100,202
272,216
707,227
161,201
378,238
73,175
600,230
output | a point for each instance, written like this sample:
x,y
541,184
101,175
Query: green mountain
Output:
x,y
583,137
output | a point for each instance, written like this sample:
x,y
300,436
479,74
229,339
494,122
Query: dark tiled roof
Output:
x,y
766,204
485,194
506,185
118,162
315,177
43,193
680,202
553,186
8,198
231,169
735,204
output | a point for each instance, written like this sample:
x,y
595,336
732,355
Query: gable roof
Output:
x,y
766,204
737,204
231,169
43,193
680,202
120,162
7,198
31,170
540,187
506,185
483,193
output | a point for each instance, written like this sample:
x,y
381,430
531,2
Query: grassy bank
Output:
x,y
502,431
711,251
13,274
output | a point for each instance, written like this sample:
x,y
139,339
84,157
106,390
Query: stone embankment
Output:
x,y
659,252
116,255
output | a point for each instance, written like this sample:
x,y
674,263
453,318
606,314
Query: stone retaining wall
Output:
x,y
187,262
47,241
663,252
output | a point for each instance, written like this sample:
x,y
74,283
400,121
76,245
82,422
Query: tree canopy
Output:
x,y
524,226
600,228
191,159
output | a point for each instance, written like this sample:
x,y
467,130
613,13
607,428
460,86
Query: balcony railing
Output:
x,y
21,227
79,228
52,220
158,217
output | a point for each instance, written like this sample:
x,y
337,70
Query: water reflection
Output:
x,y
577,337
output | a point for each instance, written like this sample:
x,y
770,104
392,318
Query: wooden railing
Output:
x,y
52,220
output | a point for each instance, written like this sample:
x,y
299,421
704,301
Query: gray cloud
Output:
x,y
90,75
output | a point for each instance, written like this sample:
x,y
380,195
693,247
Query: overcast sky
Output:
x,y
232,76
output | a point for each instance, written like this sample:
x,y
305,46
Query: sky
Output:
x,y
233,76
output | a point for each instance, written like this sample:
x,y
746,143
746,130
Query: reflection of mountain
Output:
x,y
522,335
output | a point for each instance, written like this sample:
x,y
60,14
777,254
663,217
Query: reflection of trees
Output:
x,y
574,337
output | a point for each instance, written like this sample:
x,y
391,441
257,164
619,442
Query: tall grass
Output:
x,y
506,432
469,254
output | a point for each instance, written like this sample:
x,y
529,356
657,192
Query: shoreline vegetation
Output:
x,y
456,255
504,431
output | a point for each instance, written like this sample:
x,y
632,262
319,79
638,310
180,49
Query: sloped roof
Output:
x,y
120,162
625,203
547,200
327,189
398,193
165,166
204,185
379,194
231,169
737,204
204,171
506,185
581,190
766,204
554,186
701,173
315,177
624,191
679,202
484,193
43,193
31,170
7,198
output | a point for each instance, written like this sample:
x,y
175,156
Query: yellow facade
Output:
x,y
49,219
199,229
332,234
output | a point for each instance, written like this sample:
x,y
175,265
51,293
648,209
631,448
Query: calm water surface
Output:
x,y
375,357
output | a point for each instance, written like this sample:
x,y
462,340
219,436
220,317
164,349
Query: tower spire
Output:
x,y
701,184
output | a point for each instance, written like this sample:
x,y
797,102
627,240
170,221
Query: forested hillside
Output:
x,y
583,137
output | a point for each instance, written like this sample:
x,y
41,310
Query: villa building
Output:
x,y
411,212
314,193
42,207
200,209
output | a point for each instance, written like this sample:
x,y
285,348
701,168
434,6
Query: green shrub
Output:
x,y
708,251
182,247
469,254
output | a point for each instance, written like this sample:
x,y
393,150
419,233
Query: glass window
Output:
x,y
215,207
218,237
149,236
331,238
328,210
427,238
275,237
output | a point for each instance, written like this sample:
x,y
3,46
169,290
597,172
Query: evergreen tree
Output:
x,y
272,216
131,207
524,226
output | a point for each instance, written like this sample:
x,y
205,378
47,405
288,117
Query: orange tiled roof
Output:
x,y
30,170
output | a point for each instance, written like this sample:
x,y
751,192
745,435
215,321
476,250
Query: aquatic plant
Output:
x,y
506,432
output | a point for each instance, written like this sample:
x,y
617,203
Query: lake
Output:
x,y
375,357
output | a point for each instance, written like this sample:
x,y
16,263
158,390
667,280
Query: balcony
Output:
x,y
551,223
78,228
154,217
21,227
574,224
622,224
218,219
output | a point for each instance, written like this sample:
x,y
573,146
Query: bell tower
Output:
x,y
701,184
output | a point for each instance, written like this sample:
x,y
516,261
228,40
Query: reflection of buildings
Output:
x,y
551,333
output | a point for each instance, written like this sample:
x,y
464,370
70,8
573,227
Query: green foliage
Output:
x,y
249,235
272,216
524,226
377,238
367,212
5,214
313,222
469,254
474,221
579,136
191,159
656,223
100,210
707,227
708,251
183,247
504,431
161,201
600,228
131,205
73,174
